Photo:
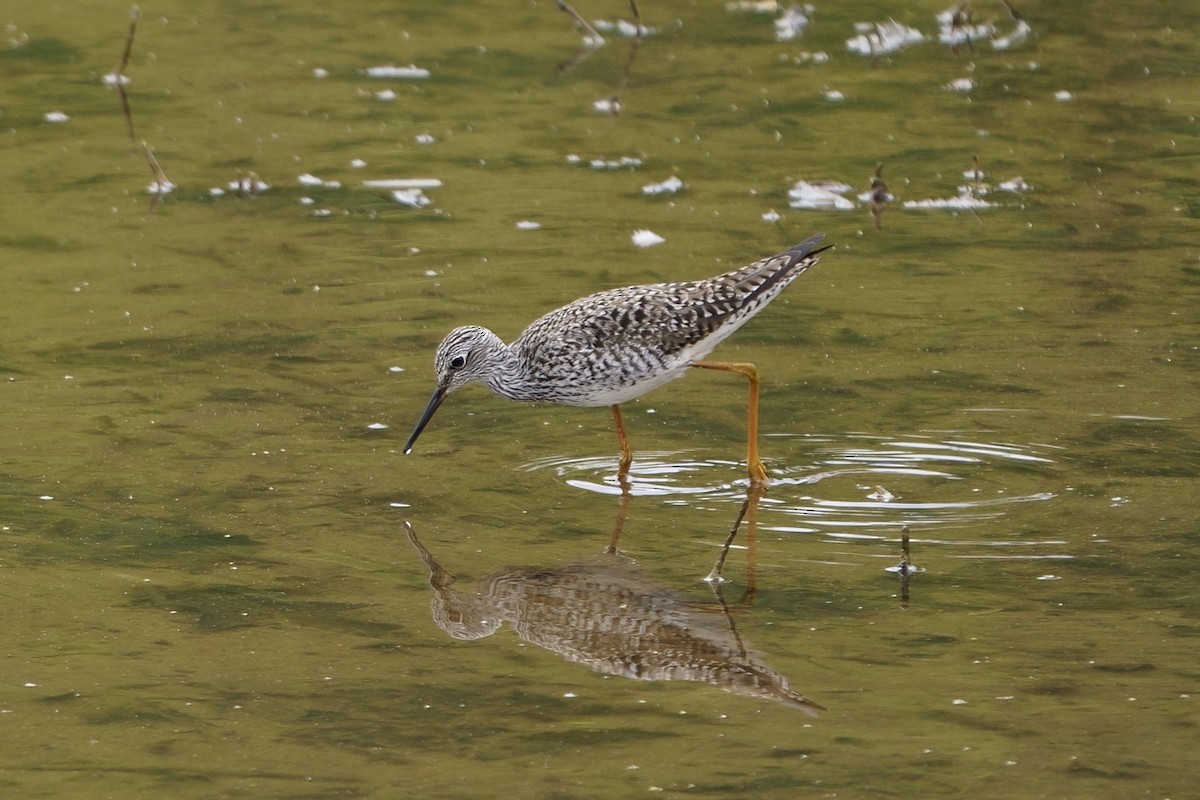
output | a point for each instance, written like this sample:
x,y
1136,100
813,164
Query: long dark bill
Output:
x,y
439,394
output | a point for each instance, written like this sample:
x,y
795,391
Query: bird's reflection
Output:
x,y
606,612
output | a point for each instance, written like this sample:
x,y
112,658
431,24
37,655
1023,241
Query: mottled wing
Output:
x,y
646,334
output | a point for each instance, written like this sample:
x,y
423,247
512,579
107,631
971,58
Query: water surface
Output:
x,y
209,587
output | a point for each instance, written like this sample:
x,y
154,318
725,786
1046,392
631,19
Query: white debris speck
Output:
x,y
1049,578
388,71
959,85
624,162
834,96
403,183
607,105
952,30
756,6
411,198
881,38
670,186
249,184
357,163
113,79
1063,96
322,213
387,95
1017,185
646,238
320,72
622,28
958,701
425,138
1018,35
377,426
771,216
46,497
312,180
964,201
395,369
56,117
528,225
216,191
791,23
161,187
882,495
827,195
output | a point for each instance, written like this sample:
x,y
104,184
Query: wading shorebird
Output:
x,y
613,346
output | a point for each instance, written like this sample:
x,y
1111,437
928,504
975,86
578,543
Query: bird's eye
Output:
x,y
458,362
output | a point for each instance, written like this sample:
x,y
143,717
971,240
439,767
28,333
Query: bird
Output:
x,y
613,346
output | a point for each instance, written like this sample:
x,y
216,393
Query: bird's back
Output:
x,y
618,344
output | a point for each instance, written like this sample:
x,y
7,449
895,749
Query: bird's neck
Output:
x,y
505,376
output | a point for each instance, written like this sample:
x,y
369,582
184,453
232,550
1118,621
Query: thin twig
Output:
x,y
162,184
592,40
119,79
880,196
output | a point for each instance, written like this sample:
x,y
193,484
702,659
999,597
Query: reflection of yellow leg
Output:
x,y
626,453
619,525
754,465
748,513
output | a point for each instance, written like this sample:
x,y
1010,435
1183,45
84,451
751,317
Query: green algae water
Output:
x,y
208,584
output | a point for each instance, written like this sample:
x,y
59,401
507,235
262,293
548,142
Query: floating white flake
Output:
x,y
827,195
954,35
312,180
646,238
670,186
622,28
389,71
757,6
959,85
791,23
624,162
411,198
1018,35
1017,185
248,184
771,216
834,96
528,225
403,183
113,79
881,38
964,201
56,117
607,105
1063,96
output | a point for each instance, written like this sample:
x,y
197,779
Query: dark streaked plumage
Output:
x,y
613,346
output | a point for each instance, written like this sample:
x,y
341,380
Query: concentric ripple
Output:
x,y
852,486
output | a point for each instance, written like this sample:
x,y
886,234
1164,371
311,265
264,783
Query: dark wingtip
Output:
x,y
809,247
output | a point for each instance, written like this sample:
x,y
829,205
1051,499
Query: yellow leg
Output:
x,y
626,453
754,465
